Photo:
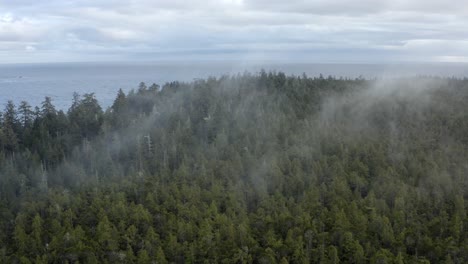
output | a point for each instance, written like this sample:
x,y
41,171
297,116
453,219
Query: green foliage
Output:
x,y
263,168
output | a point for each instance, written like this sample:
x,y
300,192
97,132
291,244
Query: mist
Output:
x,y
292,162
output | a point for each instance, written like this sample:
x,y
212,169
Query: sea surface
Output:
x,y
32,82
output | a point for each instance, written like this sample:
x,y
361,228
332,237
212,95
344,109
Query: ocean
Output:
x,y
32,82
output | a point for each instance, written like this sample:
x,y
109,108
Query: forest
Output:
x,y
249,168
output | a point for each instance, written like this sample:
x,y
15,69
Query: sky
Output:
x,y
321,31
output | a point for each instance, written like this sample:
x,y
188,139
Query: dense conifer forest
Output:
x,y
250,168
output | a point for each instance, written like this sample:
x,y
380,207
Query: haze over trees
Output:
x,y
252,168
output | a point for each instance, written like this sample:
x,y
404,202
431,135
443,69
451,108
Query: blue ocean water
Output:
x,y
32,82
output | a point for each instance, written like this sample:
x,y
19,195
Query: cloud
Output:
x,y
347,31
363,7
18,29
30,48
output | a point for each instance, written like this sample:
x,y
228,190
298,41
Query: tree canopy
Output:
x,y
251,168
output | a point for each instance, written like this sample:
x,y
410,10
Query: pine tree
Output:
x,y
36,235
143,257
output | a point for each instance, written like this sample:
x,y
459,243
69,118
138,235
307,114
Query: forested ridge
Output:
x,y
250,168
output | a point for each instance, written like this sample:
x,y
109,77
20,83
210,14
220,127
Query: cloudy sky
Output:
x,y
314,31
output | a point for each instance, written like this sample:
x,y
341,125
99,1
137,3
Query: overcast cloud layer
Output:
x,y
257,30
